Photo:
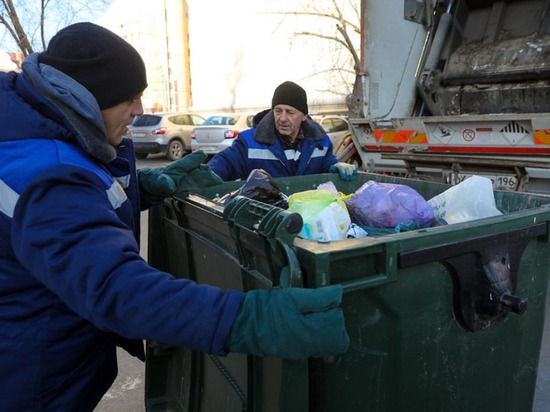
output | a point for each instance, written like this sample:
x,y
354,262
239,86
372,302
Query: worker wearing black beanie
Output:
x,y
101,61
291,94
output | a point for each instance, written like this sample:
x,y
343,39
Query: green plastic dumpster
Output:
x,y
447,318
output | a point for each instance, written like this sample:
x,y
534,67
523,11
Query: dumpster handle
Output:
x,y
369,282
386,271
484,273
291,278
278,226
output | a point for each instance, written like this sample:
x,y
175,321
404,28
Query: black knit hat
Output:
x,y
291,94
101,61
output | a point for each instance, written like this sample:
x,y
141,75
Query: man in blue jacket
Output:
x,y
72,283
284,142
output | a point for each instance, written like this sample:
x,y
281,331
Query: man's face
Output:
x,y
119,117
288,120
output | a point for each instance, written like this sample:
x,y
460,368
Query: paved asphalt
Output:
x,y
127,394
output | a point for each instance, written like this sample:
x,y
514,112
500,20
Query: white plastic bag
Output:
x,y
328,186
324,214
471,199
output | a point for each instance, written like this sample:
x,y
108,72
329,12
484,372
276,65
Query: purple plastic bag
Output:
x,y
388,205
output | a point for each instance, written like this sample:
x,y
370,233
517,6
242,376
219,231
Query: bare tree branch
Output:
x,y
25,20
10,20
349,45
43,4
344,36
321,36
356,28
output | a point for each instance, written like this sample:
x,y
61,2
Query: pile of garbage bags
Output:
x,y
375,208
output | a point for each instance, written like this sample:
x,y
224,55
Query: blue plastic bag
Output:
x,y
387,205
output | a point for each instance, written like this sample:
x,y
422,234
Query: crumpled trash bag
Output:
x,y
328,186
388,205
259,186
471,199
324,214
356,231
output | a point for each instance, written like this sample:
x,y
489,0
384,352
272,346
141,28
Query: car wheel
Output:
x,y
175,150
141,155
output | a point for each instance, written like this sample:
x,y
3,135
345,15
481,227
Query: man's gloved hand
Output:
x,y
347,171
186,174
290,323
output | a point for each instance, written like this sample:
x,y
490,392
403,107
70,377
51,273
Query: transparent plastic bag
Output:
x,y
328,186
324,214
471,199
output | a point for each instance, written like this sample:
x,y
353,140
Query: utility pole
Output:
x,y
168,98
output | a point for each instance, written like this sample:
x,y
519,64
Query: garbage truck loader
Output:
x,y
451,88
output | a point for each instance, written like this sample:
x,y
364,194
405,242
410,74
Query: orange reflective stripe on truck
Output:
x,y
400,136
542,136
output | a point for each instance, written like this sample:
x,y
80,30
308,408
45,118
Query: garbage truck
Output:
x,y
451,88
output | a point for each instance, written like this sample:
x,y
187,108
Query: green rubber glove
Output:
x,y
347,171
290,323
187,174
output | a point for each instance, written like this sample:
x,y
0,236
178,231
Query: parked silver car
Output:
x,y
168,133
219,131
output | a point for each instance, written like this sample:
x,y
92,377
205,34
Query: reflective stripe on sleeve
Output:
x,y
8,199
261,154
319,152
116,195
123,180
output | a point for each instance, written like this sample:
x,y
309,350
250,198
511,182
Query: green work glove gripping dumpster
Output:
x,y
447,318
186,174
290,323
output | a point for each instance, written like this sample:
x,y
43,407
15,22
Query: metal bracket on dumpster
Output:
x,y
279,227
485,274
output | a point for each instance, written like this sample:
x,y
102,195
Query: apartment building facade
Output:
x,y
159,30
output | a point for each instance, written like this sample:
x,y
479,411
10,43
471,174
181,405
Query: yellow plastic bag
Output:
x,y
324,214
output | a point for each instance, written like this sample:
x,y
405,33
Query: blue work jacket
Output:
x,y
259,148
72,283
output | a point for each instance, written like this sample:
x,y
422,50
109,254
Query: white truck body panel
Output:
x,y
472,97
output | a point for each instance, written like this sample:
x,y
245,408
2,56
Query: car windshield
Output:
x,y
220,120
146,120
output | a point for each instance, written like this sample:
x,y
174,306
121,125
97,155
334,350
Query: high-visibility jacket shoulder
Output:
x,y
259,148
72,283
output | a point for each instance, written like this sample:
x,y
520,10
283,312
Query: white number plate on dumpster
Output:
x,y
500,182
